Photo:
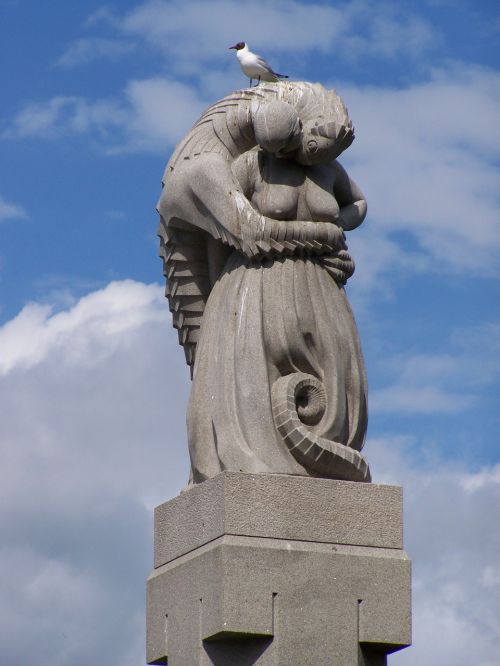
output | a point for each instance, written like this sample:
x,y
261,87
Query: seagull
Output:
x,y
254,66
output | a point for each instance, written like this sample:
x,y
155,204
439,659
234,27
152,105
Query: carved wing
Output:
x,y
188,285
224,128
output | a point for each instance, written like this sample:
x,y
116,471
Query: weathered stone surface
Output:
x,y
278,507
274,601
253,214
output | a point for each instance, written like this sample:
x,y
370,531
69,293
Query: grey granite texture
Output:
x,y
263,597
278,507
253,213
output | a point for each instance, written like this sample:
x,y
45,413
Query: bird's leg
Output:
x,y
251,83
259,81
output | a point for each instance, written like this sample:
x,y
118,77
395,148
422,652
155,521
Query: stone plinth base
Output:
x,y
278,570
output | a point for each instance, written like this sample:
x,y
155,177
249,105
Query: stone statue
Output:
x,y
253,213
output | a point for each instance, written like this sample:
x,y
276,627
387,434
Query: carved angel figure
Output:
x,y
253,212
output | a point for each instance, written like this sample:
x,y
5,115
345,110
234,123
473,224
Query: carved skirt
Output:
x,y
265,321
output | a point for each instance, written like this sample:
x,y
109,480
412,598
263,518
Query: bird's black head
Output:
x,y
238,46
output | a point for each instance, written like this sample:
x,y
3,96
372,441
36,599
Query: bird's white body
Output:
x,y
255,67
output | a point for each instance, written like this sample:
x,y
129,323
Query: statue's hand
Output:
x,y
273,238
325,237
352,215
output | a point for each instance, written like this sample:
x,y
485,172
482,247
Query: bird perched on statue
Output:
x,y
253,66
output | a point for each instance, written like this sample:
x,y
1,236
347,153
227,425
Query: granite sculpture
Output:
x,y
264,563
253,213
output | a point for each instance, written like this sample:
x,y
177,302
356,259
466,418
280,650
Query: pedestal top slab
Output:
x,y
279,507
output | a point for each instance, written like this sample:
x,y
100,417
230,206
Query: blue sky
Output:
x,y
93,385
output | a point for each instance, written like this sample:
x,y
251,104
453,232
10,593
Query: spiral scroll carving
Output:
x,y
299,400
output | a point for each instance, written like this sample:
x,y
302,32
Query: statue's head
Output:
x,y
308,123
323,140
277,127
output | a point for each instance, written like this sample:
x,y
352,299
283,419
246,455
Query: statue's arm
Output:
x,y
244,167
206,194
350,199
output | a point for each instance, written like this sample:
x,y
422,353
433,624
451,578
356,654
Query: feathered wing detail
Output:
x,y
188,284
224,128
264,63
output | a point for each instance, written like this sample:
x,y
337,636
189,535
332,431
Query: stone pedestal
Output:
x,y
279,570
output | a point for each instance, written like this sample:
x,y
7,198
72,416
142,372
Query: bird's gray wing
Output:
x,y
264,64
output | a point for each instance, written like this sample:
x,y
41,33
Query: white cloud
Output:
x,y
92,436
427,159
151,116
472,483
85,50
35,333
392,34
101,15
10,211
161,111
429,383
38,119
418,399
183,30
455,552
90,439
62,115
379,258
